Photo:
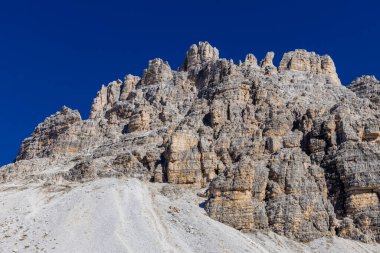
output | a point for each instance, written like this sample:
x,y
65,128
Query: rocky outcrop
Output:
x,y
367,87
184,160
231,196
310,62
250,60
294,181
58,134
157,72
268,60
287,149
200,54
106,99
130,83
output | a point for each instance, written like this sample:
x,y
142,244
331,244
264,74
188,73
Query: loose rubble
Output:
x,y
285,149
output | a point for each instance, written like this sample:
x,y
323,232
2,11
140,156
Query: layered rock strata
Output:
x,y
287,149
367,87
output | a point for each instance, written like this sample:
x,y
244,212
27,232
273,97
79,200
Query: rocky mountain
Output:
x,y
287,149
367,87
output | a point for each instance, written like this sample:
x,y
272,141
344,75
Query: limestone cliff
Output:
x,y
286,149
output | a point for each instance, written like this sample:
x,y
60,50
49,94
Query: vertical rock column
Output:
x,y
231,196
184,159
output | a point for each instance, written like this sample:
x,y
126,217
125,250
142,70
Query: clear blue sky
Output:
x,y
55,53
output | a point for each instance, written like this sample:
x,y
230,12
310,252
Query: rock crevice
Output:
x,y
287,149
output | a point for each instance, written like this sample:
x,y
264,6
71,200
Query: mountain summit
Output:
x,y
286,149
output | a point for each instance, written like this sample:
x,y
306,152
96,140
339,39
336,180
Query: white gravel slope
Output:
x,y
117,215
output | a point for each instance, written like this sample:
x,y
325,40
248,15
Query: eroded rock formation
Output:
x,y
367,87
287,149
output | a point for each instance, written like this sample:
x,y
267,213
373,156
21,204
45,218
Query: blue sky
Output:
x,y
55,53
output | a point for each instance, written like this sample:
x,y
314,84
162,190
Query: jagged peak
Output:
x,y
199,54
158,71
250,59
130,82
66,111
268,60
365,79
130,77
64,114
305,61
220,127
106,97
111,93
157,61
366,86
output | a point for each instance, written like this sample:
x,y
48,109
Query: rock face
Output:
x,y
367,87
58,134
286,149
231,193
301,60
199,54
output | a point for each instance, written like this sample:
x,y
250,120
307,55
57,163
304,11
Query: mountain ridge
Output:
x,y
287,148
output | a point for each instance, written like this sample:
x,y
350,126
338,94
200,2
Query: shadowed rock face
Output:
x,y
287,149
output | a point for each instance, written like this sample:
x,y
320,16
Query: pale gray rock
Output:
x,y
301,60
200,54
268,60
130,83
367,87
286,149
250,60
157,72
